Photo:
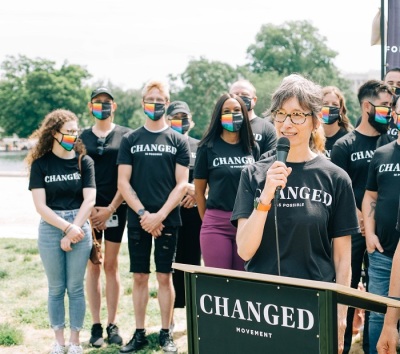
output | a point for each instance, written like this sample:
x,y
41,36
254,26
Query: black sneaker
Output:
x,y
113,336
96,339
167,342
137,342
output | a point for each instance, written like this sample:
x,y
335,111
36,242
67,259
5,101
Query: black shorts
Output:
x,y
114,234
139,244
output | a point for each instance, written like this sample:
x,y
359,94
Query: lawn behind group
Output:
x,y
24,325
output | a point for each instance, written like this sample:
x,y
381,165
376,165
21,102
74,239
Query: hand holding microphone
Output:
x,y
278,172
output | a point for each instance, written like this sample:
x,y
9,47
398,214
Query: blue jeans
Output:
x,y
379,270
64,271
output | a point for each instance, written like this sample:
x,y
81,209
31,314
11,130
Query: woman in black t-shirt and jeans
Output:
x,y
227,146
64,193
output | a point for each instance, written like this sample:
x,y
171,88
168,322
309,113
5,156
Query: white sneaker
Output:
x,y
58,349
75,349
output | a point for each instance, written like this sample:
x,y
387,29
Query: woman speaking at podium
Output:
x,y
295,218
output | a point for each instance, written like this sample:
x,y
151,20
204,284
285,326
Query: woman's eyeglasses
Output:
x,y
295,117
100,145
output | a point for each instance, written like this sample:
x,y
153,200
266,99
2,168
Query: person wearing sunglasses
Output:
x,y
334,117
102,142
353,153
379,210
188,251
227,146
64,193
152,176
295,219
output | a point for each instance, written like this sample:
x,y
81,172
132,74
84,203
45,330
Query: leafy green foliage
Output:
x,y
200,86
31,88
9,335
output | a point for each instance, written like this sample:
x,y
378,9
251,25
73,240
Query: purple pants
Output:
x,y
218,241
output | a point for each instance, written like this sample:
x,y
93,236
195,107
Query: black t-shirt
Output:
x,y
353,153
153,157
105,165
398,218
193,144
332,140
264,133
316,206
62,180
384,178
221,166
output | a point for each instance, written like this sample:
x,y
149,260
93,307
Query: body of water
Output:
x,y
12,161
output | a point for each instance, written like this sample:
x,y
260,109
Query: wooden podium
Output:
x,y
241,312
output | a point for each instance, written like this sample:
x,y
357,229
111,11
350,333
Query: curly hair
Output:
x,y
344,120
50,125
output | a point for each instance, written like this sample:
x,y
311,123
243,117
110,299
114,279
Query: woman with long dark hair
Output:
x,y
227,146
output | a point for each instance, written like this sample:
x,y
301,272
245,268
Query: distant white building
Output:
x,y
358,79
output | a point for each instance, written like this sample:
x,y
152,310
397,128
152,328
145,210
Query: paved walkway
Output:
x,y
18,216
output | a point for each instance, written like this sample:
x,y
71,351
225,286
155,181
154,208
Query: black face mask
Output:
x,y
330,114
396,91
180,125
379,118
232,122
154,110
247,102
101,110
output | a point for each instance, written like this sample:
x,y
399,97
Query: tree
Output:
x,y
31,88
200,86
293,47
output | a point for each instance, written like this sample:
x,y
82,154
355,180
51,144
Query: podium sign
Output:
x,y
239,316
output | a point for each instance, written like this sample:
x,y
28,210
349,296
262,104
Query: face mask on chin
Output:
x,y
154,110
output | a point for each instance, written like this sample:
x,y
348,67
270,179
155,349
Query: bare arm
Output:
x,y
250,231
389,336
152,221
342,262
368,211
200,187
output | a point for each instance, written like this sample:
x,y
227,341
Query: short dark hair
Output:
x,y
396,69
371,90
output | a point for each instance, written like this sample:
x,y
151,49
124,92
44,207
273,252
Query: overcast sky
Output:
x,y
131,41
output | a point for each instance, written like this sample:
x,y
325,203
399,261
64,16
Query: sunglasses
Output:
x,y
100,145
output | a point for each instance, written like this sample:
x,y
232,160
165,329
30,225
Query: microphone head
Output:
x,y
283,144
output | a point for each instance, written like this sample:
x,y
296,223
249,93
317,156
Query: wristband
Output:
x,y
67,229
111,208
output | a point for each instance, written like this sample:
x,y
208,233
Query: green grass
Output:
x,y
23,304
9,335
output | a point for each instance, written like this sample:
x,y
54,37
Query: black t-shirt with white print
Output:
x,y
193,145
264,133
353,153
384,178
398,218
220,165
62,180
153,157
331,140
316,206
105,165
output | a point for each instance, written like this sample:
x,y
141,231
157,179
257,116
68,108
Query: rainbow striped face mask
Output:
x,y
330,114
232,122
379,118
67,141
101,110
154,110
180,125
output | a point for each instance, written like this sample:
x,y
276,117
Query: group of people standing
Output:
x,y
219,198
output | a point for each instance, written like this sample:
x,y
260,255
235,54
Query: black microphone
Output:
x,y
282,150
